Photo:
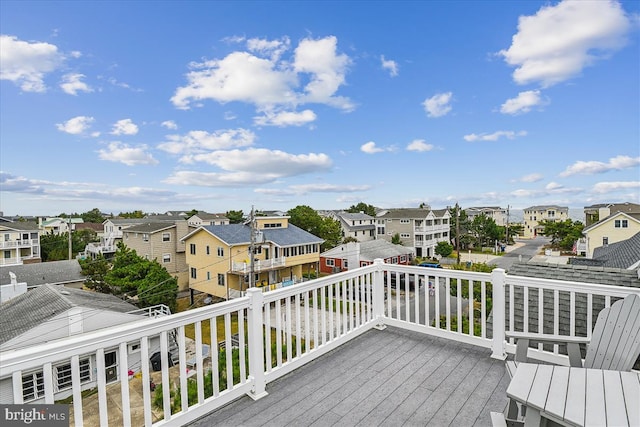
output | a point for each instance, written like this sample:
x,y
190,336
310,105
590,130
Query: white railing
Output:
x,y
157,310
258,265
6,244
278,332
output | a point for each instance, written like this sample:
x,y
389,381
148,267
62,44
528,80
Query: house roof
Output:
x,y
369,250
150,227
237,234
354,216
624,254
26,311
417,213
206,215
20,226
616,207
577,273
545,207
97,227
35,274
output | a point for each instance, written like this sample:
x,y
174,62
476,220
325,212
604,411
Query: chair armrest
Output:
x,y
547,338
573,344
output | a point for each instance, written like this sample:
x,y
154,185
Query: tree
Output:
x,y
192,212
235,217
465,228
134,214
349,239
444,249
485,230
94,215
139,279
362,207
309,220
563,234
395,239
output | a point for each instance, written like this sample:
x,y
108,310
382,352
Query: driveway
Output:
x,y
527,249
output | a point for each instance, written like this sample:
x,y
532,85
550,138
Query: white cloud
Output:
x,y
278,163
419,145
199,141
595,167
124,127
494,136
269,81
559,41
216,179
553,186
130,156
533,177
76,126
272,48
608,187
370,148
285,118
169,124
26,63
328,188
523,103
72,84
438,105
391,66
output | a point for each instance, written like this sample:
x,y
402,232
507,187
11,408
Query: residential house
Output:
x,y
58,225
360,226
624,254
358,254
205,218
615,228
220,262
419,228
498,214
20,243
533,215
51,313
160,241
595,213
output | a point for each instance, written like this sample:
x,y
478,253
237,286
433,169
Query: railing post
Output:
x,y
256,343
378,294
498,282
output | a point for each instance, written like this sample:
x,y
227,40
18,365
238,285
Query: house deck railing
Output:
x,y
281,330
258,265
8,244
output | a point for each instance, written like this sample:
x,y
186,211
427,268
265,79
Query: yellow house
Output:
x,y
535,214
220,264
612,229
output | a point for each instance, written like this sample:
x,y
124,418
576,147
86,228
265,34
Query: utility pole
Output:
x,y
458,233
70,241
507,229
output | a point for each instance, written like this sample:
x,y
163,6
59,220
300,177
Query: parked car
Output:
x,y
430,265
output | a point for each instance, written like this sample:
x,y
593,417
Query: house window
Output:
x,y
394,260
403,258
220,251
145,237
193,273
134,348
7,254
166,237
63,374
166,258
345,263
621,223
208,250
329,262
192,248
220,279
208,275
32,386
605,241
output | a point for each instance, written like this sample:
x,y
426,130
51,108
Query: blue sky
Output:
x,y
227,105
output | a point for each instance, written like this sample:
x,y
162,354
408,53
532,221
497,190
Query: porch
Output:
x,y
344,349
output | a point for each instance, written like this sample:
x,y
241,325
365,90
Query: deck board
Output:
x,y
382,378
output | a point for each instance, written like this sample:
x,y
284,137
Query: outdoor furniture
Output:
x,y
193,361
614,344
576,396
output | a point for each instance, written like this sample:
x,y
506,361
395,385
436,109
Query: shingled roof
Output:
x,y
237,234
53,272
26,311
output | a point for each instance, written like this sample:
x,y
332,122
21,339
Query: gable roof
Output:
x,y
417,213
206,215
238,234
95,226
624,254
545,207
20,226
150,227
577,273
26,311
35,274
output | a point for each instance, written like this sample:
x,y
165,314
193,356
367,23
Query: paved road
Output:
x,y
525,253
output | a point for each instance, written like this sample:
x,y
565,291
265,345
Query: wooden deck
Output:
x,y
389,378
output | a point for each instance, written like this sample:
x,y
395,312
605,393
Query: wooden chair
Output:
x,y
614,344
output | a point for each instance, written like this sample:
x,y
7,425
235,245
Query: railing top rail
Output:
x,y
568,286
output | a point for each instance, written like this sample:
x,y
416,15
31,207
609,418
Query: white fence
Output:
x,y
281,330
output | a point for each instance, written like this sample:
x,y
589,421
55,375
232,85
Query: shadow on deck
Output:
x,y
393,377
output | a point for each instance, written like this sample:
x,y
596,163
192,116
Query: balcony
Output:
x,y
381,355
258,265
12,244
